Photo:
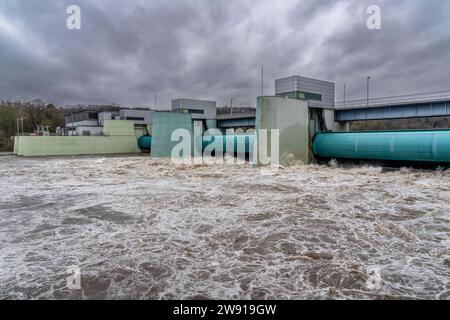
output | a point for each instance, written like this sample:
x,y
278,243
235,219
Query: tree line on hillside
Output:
x,y
37,113
34,114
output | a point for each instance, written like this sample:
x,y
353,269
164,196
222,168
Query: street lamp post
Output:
x,y
262,81
231,105
367,102
344,93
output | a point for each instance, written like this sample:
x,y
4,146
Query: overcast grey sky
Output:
x,y
127,50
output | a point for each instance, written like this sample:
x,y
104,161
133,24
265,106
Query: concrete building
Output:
x,y
142,119
319,93
91,122
82,123
107,115
139,116
200,109
320,97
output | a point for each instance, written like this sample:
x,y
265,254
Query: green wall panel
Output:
x,y
164,123
290,117
75,145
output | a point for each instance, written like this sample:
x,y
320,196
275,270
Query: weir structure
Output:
x,y
302,123
313,127
396,146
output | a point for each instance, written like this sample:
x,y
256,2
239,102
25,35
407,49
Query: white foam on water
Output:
x,y
146,228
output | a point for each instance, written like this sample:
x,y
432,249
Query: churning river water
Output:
x,y
144,228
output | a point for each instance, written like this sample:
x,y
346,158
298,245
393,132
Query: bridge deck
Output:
x,y
435,104
241,119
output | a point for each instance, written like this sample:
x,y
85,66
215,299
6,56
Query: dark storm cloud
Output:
x,y
128,50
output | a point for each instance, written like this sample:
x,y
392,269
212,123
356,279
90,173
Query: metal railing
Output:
x,y
395,100
6,144
241,115
228,110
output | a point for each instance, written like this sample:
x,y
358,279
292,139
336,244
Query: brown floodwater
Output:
x,y
141,228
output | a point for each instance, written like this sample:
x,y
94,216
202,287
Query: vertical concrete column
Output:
x,y
16,145
290,118
164,124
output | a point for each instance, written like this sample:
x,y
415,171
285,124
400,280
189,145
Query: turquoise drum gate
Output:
x,y
408,145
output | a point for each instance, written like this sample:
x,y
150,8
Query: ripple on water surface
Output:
x,y
144,228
